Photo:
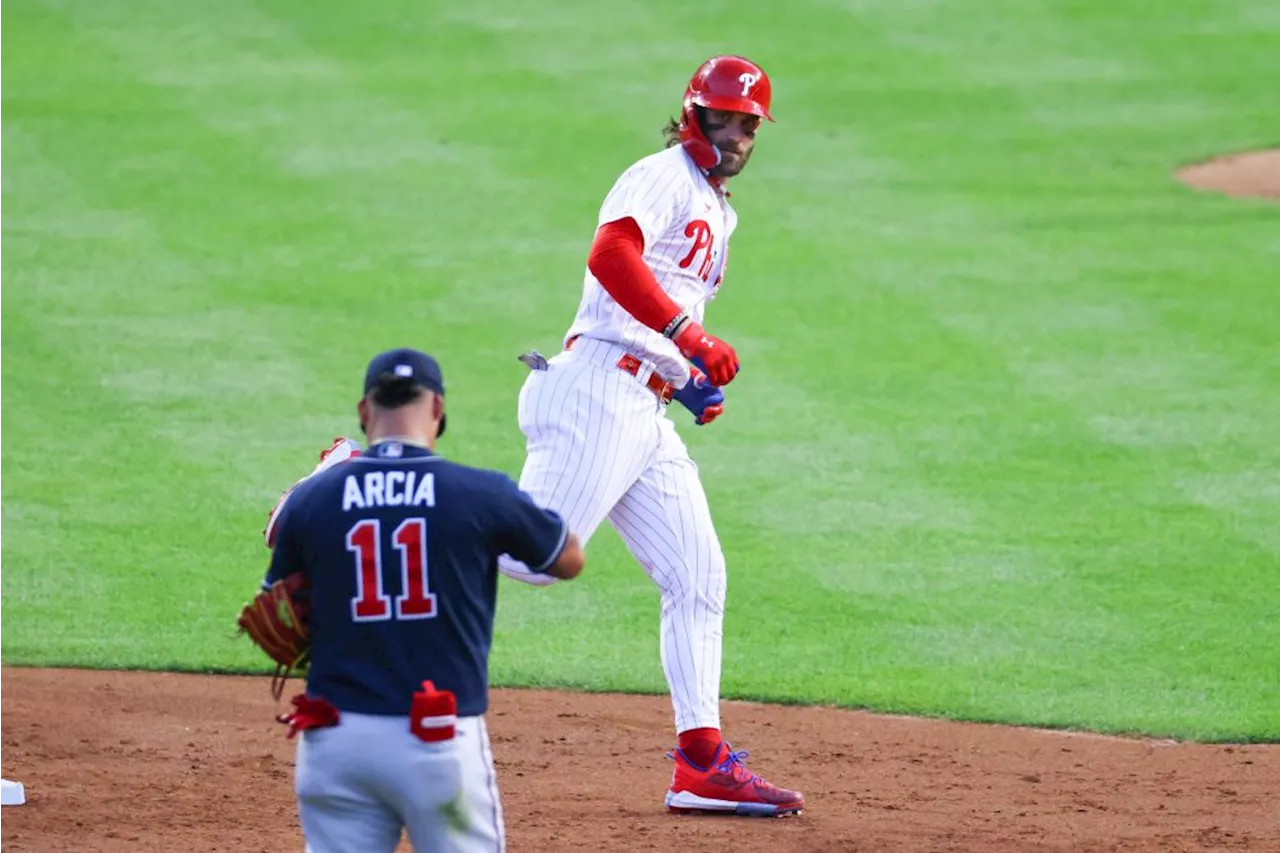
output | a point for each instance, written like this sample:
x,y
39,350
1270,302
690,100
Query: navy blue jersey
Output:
x,y
400,548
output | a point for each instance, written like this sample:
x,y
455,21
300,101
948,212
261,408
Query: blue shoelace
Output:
x,y
738,758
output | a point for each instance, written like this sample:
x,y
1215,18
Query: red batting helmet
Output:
x,y
721,83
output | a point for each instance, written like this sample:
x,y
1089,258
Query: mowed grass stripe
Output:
x,y
129,481
360,247
979,304
1201,291
143,284
387,233
1211,344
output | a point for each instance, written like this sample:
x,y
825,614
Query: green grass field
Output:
x,y
1006,445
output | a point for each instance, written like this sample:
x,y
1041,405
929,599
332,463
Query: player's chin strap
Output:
x,y
705,155
699,159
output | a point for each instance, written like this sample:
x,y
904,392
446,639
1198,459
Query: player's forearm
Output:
x,y
617,262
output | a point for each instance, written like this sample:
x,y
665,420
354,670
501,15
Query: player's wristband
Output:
x,y
676,326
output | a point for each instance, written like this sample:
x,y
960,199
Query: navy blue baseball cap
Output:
x,y
406,363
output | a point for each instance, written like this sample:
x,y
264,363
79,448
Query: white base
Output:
x,y
12,793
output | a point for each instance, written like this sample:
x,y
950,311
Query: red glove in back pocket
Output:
x,y
433,715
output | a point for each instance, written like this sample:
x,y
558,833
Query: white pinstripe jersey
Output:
x,y
687,224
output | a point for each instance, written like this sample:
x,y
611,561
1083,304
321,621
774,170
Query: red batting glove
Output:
x,y
713,354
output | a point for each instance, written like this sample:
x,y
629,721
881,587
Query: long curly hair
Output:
x,y
671,132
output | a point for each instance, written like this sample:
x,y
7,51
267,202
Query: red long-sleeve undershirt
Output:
x,y
617,262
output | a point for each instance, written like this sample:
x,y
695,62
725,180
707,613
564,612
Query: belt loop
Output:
x,y
644,372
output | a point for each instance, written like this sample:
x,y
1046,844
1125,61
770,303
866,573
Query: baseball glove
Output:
x,y
276,620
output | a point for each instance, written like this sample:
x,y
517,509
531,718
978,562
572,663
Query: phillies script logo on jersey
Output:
x,y
748,80
703,240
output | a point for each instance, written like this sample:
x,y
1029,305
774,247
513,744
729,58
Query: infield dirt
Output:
x,y
116,761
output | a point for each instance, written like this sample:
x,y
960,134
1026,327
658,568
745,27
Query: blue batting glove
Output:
x,y
699,396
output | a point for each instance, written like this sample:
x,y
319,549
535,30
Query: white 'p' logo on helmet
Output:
x,y
747,80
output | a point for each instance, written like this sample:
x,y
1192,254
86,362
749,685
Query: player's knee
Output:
x,y
704,588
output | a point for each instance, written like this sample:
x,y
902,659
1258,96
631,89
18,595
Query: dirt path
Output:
x,y
146,762
1245,174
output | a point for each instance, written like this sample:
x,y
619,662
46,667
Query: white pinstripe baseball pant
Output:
x,y
600,445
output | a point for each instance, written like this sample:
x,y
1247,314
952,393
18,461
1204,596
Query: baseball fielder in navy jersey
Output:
x,y
399,549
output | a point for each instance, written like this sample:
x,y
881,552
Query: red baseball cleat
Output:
x,y
727,786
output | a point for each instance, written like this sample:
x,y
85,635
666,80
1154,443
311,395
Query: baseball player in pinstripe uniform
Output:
x,y
600,444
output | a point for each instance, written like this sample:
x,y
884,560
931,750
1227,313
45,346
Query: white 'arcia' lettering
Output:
x,y
352,497
373,484
394,488
426,493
